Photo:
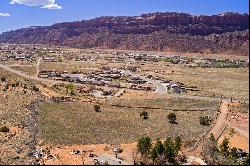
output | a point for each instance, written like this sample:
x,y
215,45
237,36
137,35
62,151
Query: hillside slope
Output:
x,y
223,33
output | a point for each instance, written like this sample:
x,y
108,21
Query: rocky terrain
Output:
x,y
223,33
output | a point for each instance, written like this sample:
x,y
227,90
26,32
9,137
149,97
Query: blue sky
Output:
x,y
16,14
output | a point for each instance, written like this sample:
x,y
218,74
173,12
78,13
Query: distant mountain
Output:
x,y
170,31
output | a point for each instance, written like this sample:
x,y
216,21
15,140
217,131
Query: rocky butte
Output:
x,y
226,33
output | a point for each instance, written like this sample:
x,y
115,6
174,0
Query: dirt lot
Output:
x,y
65,157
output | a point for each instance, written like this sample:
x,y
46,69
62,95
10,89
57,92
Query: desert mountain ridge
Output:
x,y
226,33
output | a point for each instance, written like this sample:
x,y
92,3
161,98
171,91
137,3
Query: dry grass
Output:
x,y
78,123
229,82
69,66
174,103
30,70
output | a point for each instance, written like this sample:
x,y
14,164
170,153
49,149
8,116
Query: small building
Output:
x,y
142,87
136,80
98,83
174,88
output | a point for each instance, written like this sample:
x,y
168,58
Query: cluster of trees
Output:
x,y
221,154
159,153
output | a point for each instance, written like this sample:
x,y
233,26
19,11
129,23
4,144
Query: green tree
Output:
x,y
177,144
224,147
234,153
169,147
210,150
157,153
159,147
144,145
172,117
144,115
154,155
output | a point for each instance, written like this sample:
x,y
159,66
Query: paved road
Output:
x,y
160,88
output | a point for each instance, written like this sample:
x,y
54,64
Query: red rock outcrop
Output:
x,y
226,32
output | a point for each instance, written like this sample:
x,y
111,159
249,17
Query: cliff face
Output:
x,y
223,33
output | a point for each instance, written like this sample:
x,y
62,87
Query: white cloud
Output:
x,y
4,14
52,6
49,4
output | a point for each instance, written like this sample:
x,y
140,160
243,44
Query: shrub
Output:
x,y
34,88
70,88
3,79
13,85
4,129
205,120
97,108
7,86
144,115
172,117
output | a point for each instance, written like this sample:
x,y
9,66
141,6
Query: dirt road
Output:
x,y
219,126
220,122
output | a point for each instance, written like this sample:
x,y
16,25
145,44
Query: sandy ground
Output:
x,y
64,155
235,140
